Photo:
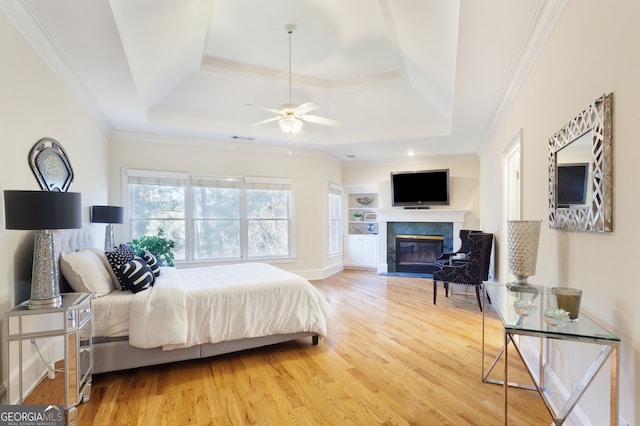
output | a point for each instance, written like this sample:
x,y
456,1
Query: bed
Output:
x,y
189,313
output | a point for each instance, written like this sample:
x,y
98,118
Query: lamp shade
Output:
x,y
40,210
107,214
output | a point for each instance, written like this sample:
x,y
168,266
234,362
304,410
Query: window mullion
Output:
x,y
244,226
190,219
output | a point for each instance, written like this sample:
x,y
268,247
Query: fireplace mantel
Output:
x,y
456,217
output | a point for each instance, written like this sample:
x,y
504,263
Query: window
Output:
x,y
212,218
335,219
268,218
217,218
159,203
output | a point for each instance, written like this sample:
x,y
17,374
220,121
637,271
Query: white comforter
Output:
x,y
188,307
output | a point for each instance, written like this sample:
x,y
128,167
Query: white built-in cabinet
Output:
x,y
360,251
361,238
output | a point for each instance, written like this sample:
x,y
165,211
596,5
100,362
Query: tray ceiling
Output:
x,y
429,76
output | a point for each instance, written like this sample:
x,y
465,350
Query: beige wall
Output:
x,y
593,50
311,173
463,176
35,104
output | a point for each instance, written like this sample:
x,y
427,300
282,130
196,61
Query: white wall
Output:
x,y
311,173
35,104
593,50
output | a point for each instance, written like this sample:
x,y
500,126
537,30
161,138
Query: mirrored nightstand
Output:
x,y
56,341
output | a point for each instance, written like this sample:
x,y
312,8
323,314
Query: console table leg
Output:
x,y
506,374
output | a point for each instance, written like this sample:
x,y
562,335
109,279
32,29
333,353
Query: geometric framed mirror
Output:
x,y
581,171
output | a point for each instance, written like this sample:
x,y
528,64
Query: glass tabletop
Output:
x,y
536,301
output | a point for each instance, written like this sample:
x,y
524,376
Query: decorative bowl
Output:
x,y
364,200
524,307
556,317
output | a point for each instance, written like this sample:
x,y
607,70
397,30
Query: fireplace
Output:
x,y
393,221
417,253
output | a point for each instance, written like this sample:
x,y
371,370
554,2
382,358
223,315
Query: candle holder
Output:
x,y
569,300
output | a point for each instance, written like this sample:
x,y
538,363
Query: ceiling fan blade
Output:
x,y
305,108
321,120
275,111
267,120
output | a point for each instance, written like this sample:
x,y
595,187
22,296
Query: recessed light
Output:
x,y
411,154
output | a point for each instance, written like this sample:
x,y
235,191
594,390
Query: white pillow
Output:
x,y
103,256
86,273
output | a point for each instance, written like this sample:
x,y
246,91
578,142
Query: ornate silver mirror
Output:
x,y
581,169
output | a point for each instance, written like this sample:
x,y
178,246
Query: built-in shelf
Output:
x,y
361,212
361,239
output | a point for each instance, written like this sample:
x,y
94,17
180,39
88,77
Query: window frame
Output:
x,y
190,182
337,192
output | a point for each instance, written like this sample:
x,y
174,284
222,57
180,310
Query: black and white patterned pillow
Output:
x,y
121,255
152,261
135,275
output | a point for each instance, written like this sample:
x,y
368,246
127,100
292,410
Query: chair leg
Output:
x,y
435,290
478,296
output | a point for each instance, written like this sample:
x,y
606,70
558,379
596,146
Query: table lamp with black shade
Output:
x,y
108,215
43,211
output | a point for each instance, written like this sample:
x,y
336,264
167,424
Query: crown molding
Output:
x,y
543,23
220,143
219,65
36,34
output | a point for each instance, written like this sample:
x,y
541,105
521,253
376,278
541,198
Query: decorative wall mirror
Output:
x,y
581,170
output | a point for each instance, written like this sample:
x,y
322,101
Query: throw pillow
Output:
x,y
152,261
85,272
135,275
121,255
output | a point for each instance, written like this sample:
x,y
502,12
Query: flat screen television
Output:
x,y
572,184
421,188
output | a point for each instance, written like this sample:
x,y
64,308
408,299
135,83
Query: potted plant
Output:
x,y
158,245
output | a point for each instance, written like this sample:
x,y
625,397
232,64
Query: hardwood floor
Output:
x,y
390,357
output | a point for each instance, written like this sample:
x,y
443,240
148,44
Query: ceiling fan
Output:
x,y
291,117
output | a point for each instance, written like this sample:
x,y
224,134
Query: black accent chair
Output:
x,y
471,273
444,258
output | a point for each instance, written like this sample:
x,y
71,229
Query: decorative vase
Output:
x,y
523,237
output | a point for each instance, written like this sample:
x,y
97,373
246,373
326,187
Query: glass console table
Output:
x,y
584,329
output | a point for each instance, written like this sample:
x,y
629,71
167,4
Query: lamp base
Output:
x,y
54,302
45,291
108,238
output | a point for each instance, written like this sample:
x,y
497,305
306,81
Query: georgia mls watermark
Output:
x,y
31,415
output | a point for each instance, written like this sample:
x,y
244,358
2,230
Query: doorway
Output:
x,y
512,186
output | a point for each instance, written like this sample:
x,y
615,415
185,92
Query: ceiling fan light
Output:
x,y
290,125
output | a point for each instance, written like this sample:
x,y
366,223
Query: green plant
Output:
x,y
158,245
